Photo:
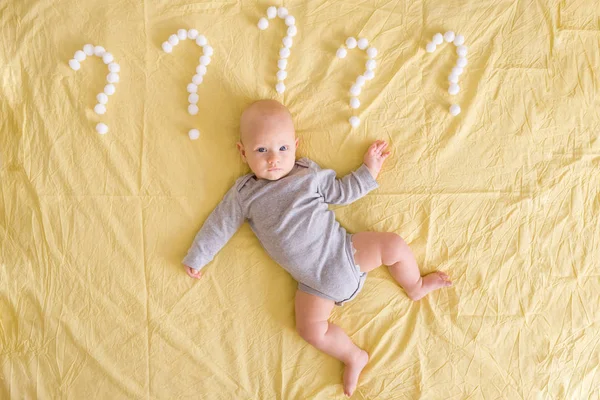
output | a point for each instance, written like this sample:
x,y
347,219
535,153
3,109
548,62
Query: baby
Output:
x,y
285,201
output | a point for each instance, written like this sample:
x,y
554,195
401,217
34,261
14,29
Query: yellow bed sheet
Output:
x,y
505,197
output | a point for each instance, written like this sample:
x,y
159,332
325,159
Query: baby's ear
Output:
x,y
240,148
297,141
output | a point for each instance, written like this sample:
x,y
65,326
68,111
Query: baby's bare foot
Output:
x,y
430,282
352,372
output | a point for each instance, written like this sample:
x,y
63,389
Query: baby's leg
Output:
x,y
312,314
376,248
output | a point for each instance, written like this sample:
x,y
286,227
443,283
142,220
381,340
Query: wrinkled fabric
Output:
x,y
94,302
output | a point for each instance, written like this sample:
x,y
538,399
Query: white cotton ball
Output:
x,y
453,89
284,52
102,98
208,50
99,51
362,43
79,56
192,88
166,46
461,51
371,64
114,67
280,87
290,20
194,134
430,47
282,64
197,79
455,109
355,90
351,43
88,49
193,109
100,109
354,103
101,128
372,52
192,34
287,42
438,38
74,64
182,34
457,70
449,36
112,77
271,12
453,78
354,121
201,70
292,31
369,75
193,98
361,80
461,62
459,40
281,75
107,58
204,60
263,24
201,40
341,52
282,12
173,40
109,89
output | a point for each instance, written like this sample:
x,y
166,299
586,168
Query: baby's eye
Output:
x,y
262,150
283,148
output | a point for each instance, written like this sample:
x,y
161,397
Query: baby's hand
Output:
x,y
375,157
192,272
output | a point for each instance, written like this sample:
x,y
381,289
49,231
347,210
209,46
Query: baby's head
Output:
x,y
268,140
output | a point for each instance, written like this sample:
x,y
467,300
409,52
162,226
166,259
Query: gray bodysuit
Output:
x,y
293,223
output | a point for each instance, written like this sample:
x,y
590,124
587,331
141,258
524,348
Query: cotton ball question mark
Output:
x,y
369,74
90,50
461,63
287,41
198,78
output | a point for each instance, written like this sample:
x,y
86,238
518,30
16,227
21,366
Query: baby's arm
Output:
x,y
218,228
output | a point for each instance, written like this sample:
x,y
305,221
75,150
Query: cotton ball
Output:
x,y
193,98
192,88
362,43
263,24
197,79
107,58
282,64
453,89
114,67
438,38
459,40
271,12
290,20
292,31
193,109
173,40
282,12
360,80
461,62
166,46
461,51
88,49
372,52
281,75
284,52
201,70
100,109
341,52
101,128
102,98
453,78
201,40
354,121
430,47
113,77
280,87
192,34
457,70
99,51
79,56
208,50
455,109
194,134
371,64
369,75
355,90
449,36
354,103
109,89
74,64
204,60
182,34
351,43
287,42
